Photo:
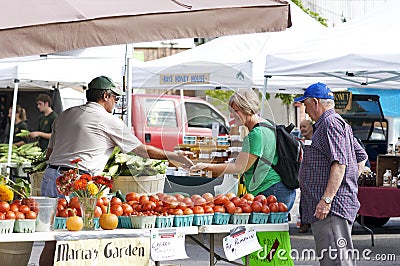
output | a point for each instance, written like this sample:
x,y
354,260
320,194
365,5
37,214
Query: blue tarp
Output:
x,y
389,99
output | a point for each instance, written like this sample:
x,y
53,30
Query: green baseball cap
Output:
x,y
104,83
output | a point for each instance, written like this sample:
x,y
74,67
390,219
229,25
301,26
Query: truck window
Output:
x,y
160,113
202,115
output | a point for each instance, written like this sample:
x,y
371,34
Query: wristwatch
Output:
x,y
327,200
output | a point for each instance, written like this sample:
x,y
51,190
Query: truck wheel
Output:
x,y
373,222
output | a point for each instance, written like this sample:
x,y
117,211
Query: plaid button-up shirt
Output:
x,y
332,140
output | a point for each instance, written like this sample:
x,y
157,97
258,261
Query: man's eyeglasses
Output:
x,y
115,97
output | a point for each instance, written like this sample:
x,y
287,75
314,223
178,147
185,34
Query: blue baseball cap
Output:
x,y
317,90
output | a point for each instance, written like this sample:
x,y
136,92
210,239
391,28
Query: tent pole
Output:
x,y
11,137
263,97
182,114
129,94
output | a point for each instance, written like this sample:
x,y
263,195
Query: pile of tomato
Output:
x,y
18,209
165,204
67,209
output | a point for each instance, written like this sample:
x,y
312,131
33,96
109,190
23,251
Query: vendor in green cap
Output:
x,y
90,132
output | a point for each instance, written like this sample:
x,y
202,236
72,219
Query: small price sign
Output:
x,y
240,242
168,244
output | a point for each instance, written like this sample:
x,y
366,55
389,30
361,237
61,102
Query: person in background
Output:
x,y
20,124
261,141
90,132
328,176
306,130
46,120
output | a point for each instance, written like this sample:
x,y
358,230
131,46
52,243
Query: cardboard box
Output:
x,y
384,162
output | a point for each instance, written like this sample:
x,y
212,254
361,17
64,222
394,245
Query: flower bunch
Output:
x,y
8,188
84,186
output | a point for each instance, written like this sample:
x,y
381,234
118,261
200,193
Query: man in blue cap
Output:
x,y
328,177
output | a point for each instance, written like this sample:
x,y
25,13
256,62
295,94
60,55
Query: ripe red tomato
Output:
x,y
14,207
219,208
63,202
24,209
256,206
132,196
282,207
63,213
198,210
30,215
117,210
238,210
208,209
10,215
187,211
115,201
143,199
2,216
248,196
105,201
273,207
208,197
230,207
148,206
265,209
182,206
220,200
4,206
236,201
230,195
99,202
127,209
246,208
261,198
177,212
19,216
271,199
179,197
154,198
199,201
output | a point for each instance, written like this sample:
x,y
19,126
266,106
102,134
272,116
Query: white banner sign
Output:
x,y
109,251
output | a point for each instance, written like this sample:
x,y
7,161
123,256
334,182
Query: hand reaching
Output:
x,y
198,166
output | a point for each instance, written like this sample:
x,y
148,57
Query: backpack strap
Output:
x,y
266,161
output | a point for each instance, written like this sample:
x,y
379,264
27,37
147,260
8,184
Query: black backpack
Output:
x,y
290,154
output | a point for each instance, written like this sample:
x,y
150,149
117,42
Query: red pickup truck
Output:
x,y
161,120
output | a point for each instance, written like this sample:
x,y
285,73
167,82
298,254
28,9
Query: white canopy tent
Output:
x,y
362,53
75,68
46,26
223,58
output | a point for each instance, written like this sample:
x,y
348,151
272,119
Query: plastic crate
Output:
x,y
183,220
25,226
203,219
125,222
221,218
61,223
6,226
239,218
259,218
164,221
278,217
143,222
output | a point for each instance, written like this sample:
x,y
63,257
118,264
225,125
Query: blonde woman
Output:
x,y
259,178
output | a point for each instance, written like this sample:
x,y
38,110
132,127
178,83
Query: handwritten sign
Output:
x,y
168,244
240,243
191,78
120,251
